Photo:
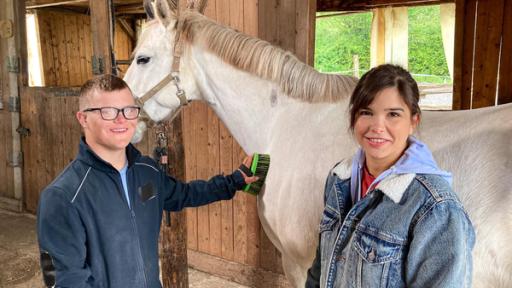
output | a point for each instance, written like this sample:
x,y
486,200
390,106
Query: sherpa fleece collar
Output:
x,y
393,186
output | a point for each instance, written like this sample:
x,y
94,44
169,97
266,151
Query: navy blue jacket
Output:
x,y
95,239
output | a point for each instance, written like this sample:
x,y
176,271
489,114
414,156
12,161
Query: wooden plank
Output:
x,y
505,84
5,125
236,15
72,48
62,53
82,52
267,253
250,17
203,227
467,58
45,38
29,147
305,27
236,272
88,47
189,139
487,47
101,32
239,213
267,21
226,167
286,25
459,52
222,11
173,239
215,218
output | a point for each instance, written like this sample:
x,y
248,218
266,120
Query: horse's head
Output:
x,y
160,86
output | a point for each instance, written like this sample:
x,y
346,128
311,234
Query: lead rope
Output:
x,y
161,155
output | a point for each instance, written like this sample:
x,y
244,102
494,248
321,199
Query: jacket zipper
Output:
x,y
140,260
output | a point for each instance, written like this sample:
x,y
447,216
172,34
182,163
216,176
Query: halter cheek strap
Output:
x,y
172,77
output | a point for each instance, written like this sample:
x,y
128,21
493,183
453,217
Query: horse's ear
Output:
x,y
162,10
198,5
148,8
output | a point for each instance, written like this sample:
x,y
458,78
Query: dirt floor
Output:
x,y
19,256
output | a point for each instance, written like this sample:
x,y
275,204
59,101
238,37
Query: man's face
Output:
x,y
107,136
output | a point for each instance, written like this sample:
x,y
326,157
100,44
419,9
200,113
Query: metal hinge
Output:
x,y
14,104
13,64
23,131
16,159
6,29
98,66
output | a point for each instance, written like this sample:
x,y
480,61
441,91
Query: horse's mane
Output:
x,y
261,58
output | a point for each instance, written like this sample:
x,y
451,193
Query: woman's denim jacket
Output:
x,y
410,231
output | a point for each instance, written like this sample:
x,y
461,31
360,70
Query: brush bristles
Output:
x,y
260,166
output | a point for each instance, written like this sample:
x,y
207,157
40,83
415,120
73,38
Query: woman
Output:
x,y
391,218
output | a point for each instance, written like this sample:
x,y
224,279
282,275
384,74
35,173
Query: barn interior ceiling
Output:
x,y
135,6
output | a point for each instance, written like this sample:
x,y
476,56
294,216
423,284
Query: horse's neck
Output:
x,y
242,101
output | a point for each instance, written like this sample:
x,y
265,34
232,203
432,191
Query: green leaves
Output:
x,y
338,38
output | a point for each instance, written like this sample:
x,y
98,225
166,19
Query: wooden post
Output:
x,y
355,67
13,76
101,30
173,239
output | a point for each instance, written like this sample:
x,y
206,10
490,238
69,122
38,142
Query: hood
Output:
x,y
417,159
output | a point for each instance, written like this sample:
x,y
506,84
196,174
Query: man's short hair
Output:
x,y
101,83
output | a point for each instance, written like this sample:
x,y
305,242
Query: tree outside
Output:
x,y
338,38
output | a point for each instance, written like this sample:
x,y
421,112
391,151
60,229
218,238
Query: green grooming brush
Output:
x,y
259,167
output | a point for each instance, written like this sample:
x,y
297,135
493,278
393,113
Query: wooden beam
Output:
x,y
241,273
362,5
127,28
505,76
101,28
35,6
173,238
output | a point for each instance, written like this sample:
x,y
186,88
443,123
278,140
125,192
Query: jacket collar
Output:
x,y
87,155
393,186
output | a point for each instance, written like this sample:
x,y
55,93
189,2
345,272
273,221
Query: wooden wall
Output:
x,y
66,47
483,53
6,172
11,47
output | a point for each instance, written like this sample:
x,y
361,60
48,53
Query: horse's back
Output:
x,y
475,145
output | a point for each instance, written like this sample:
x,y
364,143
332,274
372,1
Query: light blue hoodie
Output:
x,y
416,159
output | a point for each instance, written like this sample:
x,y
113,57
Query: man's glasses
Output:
x,y
111,113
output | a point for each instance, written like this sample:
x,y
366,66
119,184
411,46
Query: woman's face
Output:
x,y
382,129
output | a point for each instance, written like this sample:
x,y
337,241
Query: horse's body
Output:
x,y
305,140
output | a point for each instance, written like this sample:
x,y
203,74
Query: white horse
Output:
x,y
262,92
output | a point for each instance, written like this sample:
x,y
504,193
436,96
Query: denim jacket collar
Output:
x,y
393,185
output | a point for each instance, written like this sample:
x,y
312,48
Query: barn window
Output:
x,y
418,38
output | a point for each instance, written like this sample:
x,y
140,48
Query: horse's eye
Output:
x,y
142,60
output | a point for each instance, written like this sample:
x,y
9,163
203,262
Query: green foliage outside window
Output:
x,y
338,38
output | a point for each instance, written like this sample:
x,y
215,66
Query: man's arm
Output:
x,y
61,242
179,195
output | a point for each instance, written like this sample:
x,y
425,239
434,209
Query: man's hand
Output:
x,y
247,162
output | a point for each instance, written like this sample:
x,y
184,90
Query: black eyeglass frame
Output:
x,y
117,110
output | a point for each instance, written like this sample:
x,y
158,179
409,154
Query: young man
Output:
x,y
99,220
